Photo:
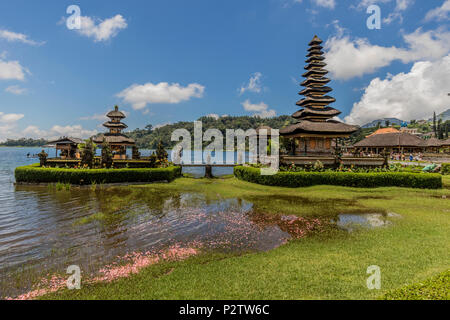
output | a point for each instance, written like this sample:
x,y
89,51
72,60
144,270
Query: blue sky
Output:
x,y
174,60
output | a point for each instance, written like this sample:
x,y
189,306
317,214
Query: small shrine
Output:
x,y
115,138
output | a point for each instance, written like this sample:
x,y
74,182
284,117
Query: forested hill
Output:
x,y
24,142
149,137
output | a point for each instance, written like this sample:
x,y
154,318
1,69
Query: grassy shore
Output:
x,y
415,247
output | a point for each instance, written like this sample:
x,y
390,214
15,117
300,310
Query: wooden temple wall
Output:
x,y
312,145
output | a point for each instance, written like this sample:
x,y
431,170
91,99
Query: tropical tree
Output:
x,y
107,156
161,153
88,149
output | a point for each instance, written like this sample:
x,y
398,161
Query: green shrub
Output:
x,y
348,179
35,174
435,288
445,169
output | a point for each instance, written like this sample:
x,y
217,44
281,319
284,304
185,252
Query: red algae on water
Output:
x,y
135,262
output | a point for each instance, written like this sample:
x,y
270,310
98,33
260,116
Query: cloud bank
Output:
x,y
103,30
407,96
139,96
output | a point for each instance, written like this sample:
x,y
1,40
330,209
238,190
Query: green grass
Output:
x,y
414,248
435,288
446,181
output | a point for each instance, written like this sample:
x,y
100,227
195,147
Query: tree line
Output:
x,y
149,137
24,142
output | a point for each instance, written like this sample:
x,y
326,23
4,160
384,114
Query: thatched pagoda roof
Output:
x,y
445,143
395,139
328,112
315,81
116,113
315,61
315,40
326,127
321,100
66,140
315,47
383,131
317,90
114,139
315,72
433,142
110,124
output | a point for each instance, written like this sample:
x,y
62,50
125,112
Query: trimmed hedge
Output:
x,y
347,179
445,169
36,174
435,288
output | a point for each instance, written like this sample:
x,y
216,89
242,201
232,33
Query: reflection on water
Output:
x,y
351,222
87,227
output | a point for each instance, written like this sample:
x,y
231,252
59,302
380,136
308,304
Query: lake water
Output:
x,y
43,229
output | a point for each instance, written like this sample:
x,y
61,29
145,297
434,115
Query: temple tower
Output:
x,y
315,128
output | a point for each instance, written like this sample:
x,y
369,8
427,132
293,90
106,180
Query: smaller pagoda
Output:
x,y
116,139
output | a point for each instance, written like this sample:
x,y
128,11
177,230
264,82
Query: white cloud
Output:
x,y
8,124
254,84
407,96
141,95
401,5
17,90
160,125
348,58
259,109
330,4
364,4
58,131
17,37
98,117
104,30
440,13
12,70
213,115
8,129
216,116
10,117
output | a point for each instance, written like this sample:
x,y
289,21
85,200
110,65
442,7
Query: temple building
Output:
x,y
67,147
116,139
383,131
392,142
315,129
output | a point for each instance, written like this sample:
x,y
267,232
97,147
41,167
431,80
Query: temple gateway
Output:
x,y
316,134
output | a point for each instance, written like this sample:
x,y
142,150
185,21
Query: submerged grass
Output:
x,y
415,247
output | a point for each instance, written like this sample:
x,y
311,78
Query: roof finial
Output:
x,y
116,108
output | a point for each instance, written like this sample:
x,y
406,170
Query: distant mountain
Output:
x,y
444,115
383,122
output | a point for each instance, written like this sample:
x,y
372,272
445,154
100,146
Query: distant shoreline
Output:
x,y
22,147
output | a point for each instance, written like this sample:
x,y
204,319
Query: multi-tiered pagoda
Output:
x,y
116,139
315,128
